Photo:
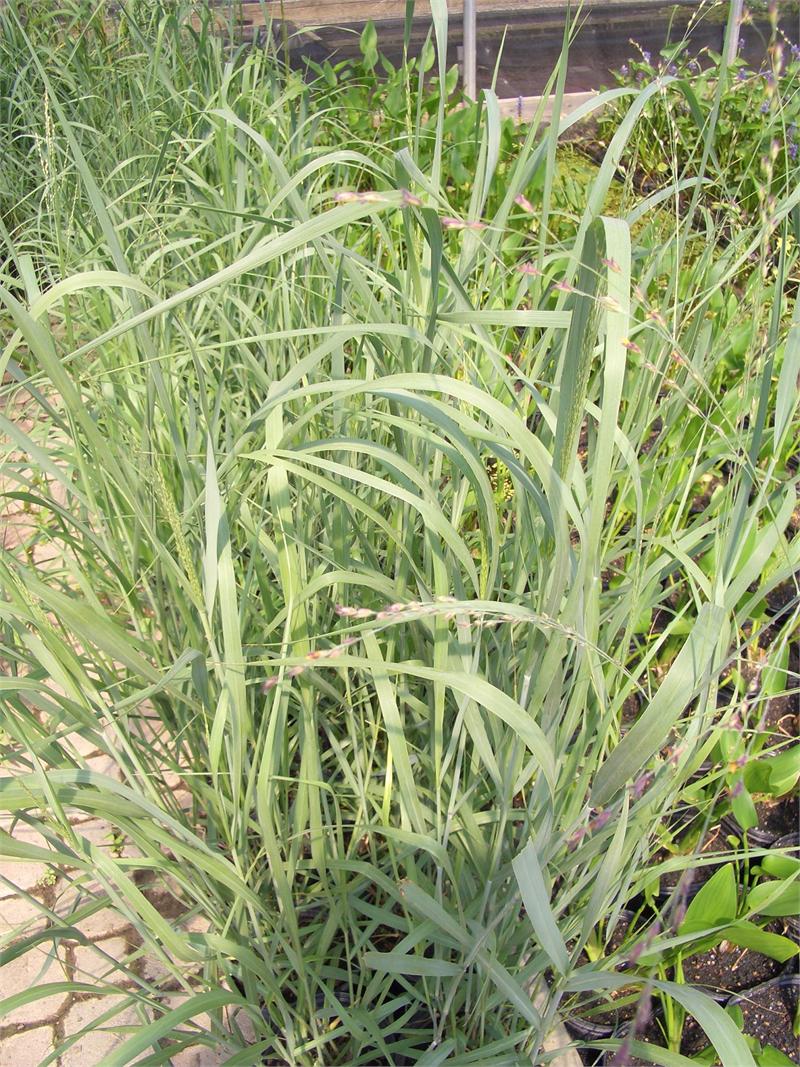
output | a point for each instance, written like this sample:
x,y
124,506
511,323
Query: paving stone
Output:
x,y
171,1001
92,965
197,1056
104,764
32,969
83,746
92,1047
103,924
22,874
244,1023
27,1049
16,910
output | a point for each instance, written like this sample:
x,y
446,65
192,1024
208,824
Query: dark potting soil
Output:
x,y
769,1012
713,842
729,968
589,1016
776,818
780,718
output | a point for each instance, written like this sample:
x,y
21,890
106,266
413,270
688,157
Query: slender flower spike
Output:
x,y
409,200
529,268
368,197
525,204
612,265
656,317
599,821
609,303
642,784
450,223
564,287
632,347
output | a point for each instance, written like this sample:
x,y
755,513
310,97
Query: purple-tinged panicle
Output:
x,y
409,200
450,223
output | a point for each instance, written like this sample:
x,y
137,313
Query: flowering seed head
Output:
x,y
642,784
564,286
368,197
529,268
609,303
524,203
450,223
632,347
600,820
612,265
409,200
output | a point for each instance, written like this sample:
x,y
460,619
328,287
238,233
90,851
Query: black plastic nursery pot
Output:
x,y
407,1041
777,819
790,841
770,1011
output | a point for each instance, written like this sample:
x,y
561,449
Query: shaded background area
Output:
x,y
526,36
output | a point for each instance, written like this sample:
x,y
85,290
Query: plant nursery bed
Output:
x,y
769,1014
730,969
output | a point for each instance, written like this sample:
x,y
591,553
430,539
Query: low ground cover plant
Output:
x,y
408,538
753,115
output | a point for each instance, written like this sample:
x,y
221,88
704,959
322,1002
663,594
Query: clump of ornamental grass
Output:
x,y
263,429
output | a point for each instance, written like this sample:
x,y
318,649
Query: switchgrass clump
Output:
x,y
367,718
